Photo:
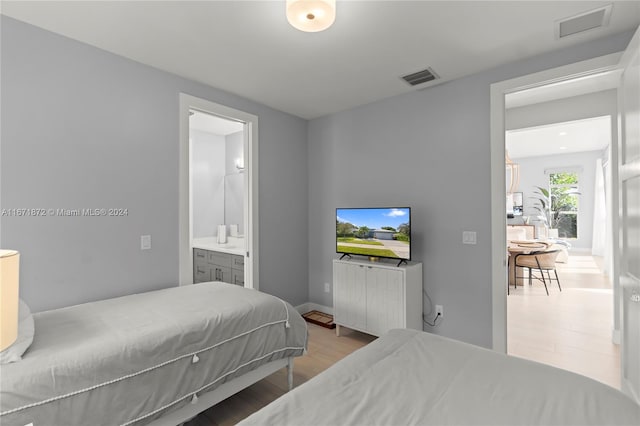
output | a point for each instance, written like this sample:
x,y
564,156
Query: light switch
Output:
x,y
468,237
145,242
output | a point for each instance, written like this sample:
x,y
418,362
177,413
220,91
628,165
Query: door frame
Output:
x,y
251,222
499,90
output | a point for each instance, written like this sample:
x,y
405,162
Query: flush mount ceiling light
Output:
x,y
311,15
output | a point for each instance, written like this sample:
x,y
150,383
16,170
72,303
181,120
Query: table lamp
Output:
x,y
9,280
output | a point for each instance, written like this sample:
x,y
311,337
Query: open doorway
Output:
x,y
568,323
218,222
624,169
539,89
217,192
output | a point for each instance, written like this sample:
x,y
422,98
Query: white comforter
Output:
x,y
125,360
409,377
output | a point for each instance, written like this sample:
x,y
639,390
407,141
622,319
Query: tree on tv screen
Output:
x,y
363,232
344,229
404,232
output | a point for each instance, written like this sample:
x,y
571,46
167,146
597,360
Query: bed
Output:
x,y
409,377
159,357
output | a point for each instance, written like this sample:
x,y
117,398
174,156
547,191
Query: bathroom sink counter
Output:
x,y
234,245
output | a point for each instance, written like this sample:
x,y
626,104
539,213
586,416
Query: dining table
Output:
x,y
516,247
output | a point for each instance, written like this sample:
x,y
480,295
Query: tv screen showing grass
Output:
x,y
374,232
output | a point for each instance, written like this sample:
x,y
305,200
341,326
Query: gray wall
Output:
x,y
532,174
83,128
207,182
428,150
596,104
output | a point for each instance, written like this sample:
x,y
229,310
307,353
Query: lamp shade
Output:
x,y
311,15
9,279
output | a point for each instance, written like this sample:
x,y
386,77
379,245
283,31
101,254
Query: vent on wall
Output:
x,y
420,77
583,22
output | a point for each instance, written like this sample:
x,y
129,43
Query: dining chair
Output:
x,y
543,261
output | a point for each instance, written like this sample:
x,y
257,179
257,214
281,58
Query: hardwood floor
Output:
x,y
569,329
324,350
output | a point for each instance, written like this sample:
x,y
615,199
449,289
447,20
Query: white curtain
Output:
x,y
598,247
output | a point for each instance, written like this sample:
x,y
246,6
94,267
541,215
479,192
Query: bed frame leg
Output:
x,y
290,372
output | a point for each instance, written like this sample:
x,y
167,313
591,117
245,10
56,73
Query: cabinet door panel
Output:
x,y
201,273
220,259
350,295
385,300
200,255
221,273
237,277
237,262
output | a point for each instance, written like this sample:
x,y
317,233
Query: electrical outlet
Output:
x,y
145,242
327,287
440,310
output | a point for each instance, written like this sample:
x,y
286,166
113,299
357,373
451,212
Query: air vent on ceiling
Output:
x,y
420,77
583,22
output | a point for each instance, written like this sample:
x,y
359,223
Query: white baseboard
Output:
x,y
615,336
307,307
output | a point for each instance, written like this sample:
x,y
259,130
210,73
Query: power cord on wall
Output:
x,y
438,315
435,320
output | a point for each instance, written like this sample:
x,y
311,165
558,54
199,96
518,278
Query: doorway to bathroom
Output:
x,y
218,194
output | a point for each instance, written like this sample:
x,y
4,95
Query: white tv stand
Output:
x,y
374,297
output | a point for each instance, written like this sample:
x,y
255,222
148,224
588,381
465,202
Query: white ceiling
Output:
x,y
591,134
248,48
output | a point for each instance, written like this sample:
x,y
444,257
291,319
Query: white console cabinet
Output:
x,y
376,297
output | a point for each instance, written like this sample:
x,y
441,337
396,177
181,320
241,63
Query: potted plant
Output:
x,y
551,205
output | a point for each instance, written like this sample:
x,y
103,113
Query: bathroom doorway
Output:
x,y
216,165
218,194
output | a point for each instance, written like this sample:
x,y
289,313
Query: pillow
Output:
x,y
25,336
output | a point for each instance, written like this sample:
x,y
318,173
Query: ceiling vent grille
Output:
x,y
420,77
583,22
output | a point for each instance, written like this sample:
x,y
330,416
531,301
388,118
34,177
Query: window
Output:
x,y
563,188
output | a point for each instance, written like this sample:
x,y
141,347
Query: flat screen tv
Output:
x,y
374,232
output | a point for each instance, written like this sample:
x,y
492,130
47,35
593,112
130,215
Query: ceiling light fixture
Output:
x,y
311,15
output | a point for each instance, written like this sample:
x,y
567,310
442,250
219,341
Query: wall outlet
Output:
x,y
327,287
145,242
439,310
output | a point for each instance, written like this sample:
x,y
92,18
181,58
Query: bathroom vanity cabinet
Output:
x,y
209,265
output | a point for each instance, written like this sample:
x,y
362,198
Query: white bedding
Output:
x,y
125,360
409,377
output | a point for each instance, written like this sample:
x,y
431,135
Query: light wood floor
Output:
x,y
324,350
569,329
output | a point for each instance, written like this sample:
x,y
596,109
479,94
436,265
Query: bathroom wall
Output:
x,y
234,181
207,178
